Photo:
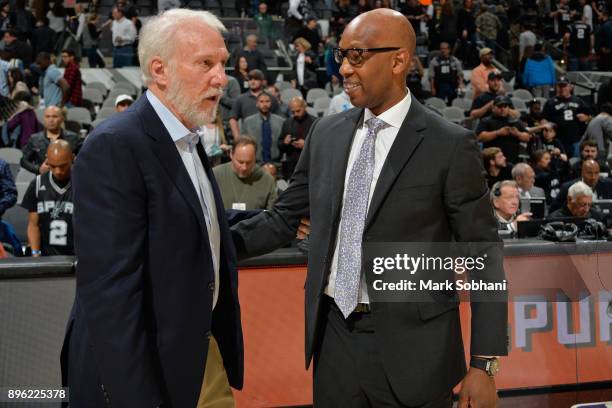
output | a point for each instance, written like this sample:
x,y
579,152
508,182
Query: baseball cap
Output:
x,y
532,102
502,100
123,98
494,75
485,51
563,80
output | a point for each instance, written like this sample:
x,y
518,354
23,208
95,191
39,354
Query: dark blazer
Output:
x,y
310,73
142,318
431,188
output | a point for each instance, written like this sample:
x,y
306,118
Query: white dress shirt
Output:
x,y
124,29
394,117
201,184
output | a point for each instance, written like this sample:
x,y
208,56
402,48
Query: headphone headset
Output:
x,y
594,229
497,189
559,231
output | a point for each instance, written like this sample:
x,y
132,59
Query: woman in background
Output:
x,y
304,67
213,138
241,73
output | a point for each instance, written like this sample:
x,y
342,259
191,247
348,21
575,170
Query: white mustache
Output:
x,y
212,92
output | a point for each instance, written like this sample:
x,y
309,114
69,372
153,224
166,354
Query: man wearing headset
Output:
x,y
505,198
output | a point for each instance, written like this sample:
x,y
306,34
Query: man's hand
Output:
x,y
298,143
43,168
303,229
524,217
505,131
477,390
582,117
287,140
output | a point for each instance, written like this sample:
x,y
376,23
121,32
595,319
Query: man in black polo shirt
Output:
x,y
579,42
500,130
589,150
483,104
569,113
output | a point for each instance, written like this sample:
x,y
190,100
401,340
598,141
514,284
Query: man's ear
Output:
x,y
159,71
402,61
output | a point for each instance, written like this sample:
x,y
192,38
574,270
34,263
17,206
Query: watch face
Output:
x,y
493,366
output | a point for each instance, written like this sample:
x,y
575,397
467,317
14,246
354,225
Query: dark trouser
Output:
x,y
123,56
348,368
579,64
446,91
93,58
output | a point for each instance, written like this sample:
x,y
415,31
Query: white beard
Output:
x,y
188,110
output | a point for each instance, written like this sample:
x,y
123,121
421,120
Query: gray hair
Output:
x,y
157,37
580,188
497,188
519,170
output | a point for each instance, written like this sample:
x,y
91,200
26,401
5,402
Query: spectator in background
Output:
x,y
415,13
524,176
527,38
34,153
72,75
293,134
587,13
53,88
91,40
579,42
57,20
48,200
589,150
604,42
241,73
579,203
278,106
496,166
8,190
534,117
562,17
42,37
310,32
212,136
5,20
265,24
122,102
445,74
230,93
539,73
19,49
254,58
548,141
599,129
415,77
16,83
305,65
246,104
500,130
569,113
265,128
339,103
480,74
466,25
483,104
488,26
281,184
445,26
505,199
591,176
24,123
124,35
243,184
548,176
341,14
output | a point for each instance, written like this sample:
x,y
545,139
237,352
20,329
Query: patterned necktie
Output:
x,y
354,214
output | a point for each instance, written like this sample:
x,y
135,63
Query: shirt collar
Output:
x,y
172,124
395,115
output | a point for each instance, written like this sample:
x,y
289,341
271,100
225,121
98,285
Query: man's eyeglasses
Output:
x,y
355,55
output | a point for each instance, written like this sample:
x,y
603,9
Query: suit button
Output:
x,y
211,286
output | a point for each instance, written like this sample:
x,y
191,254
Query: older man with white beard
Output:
x,y
156,320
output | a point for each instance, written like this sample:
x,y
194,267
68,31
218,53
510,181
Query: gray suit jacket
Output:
x,y
536,192
431,189
252,127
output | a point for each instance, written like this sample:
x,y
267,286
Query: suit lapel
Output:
x,y
165,150
341,146
408,139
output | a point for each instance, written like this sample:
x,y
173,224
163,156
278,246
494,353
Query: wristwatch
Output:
x,y
488,365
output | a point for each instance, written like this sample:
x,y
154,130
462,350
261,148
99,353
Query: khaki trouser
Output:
x,y
216,392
